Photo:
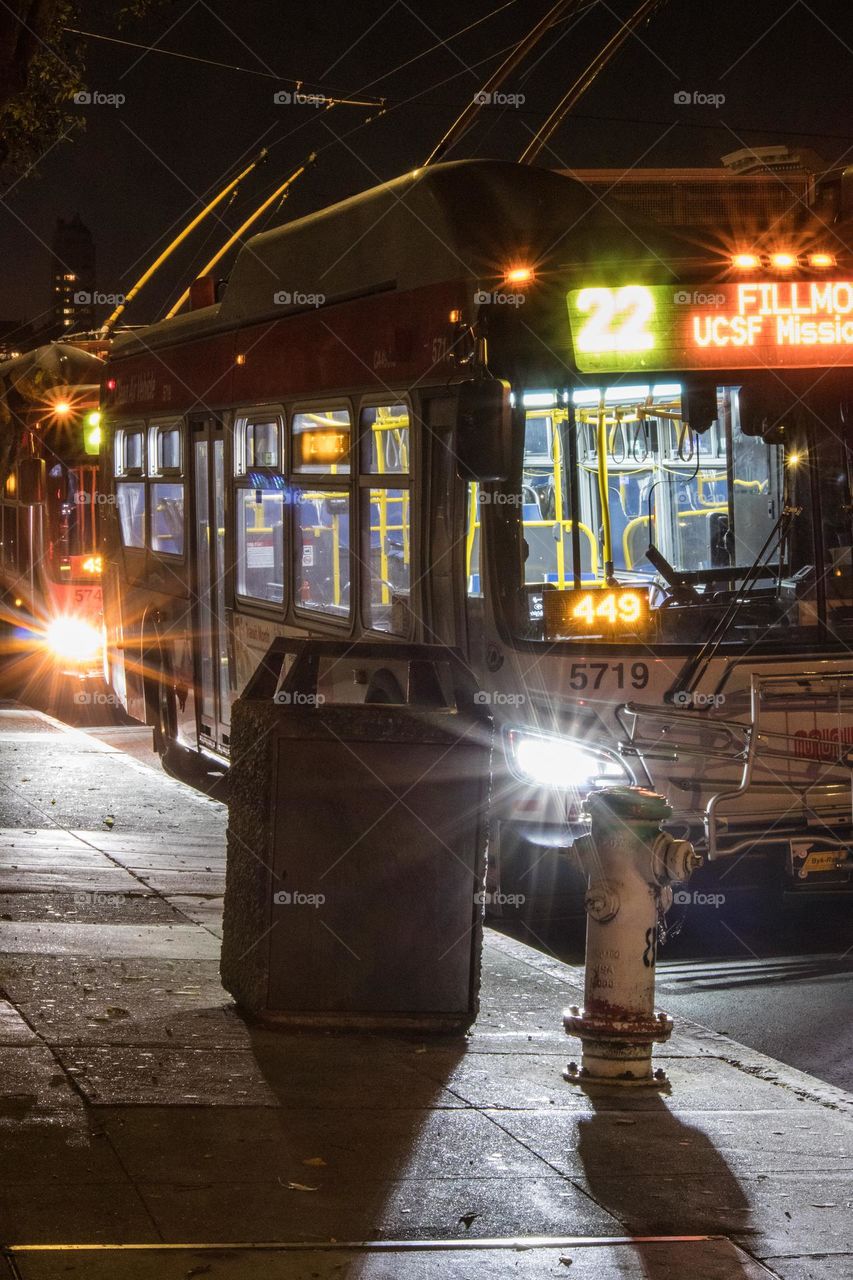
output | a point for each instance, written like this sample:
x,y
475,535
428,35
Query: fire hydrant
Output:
x,y
630,864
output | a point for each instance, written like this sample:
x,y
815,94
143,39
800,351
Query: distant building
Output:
x,y
72,277
759,186
15,338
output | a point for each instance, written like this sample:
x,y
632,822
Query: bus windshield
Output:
x,y
72,522
620,489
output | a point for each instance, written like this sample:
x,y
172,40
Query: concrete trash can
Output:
x,y
358,803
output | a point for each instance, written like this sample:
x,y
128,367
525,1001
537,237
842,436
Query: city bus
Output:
x,y
50,556
474,408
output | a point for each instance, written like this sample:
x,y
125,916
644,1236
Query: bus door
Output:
x,y
210,619
444,541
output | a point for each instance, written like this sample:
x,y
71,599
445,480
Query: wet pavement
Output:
x,y
138,1109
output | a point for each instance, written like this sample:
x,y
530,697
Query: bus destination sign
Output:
x,y
751,324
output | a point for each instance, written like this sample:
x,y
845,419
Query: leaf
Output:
x,y
300,1186
316,1162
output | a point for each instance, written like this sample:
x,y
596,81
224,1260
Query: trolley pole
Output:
x,y
630,865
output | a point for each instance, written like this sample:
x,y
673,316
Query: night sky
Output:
x,y
140,169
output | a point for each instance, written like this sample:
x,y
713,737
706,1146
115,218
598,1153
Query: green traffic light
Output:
x,y
92,432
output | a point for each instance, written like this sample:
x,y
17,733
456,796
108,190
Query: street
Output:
x,y
778,981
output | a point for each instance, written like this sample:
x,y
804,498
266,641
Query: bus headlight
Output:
x,y
547,760
73,640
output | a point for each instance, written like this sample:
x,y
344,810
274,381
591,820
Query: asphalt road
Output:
x,y
778,981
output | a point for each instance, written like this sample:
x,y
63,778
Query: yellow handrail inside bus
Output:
x,y
644,520
603,493
558,503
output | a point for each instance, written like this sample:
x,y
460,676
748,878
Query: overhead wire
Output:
x,y
340,99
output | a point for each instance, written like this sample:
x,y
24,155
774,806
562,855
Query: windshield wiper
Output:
x,y
696,668
681,589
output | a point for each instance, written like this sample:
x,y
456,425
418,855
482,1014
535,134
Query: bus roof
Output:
x,y
463,219
56,364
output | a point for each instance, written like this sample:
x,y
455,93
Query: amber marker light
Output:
x,y
746,261
61,408
519,275
783,261
821,260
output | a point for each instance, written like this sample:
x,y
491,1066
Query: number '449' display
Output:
x,y
596,611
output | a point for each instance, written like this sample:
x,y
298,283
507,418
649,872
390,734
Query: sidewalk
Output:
x,y
138,1109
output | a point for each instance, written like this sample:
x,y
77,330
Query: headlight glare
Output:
x,y
73,640
546,760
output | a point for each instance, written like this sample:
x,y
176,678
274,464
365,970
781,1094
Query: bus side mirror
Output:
x,y
484,430
763,413
700,408
31,481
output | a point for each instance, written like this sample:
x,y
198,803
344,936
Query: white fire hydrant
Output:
x,y
630,864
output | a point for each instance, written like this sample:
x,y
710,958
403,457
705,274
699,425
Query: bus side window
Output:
x,y
130,500
130,452
386,519
166,499
260,544
320,446
167,519
130,493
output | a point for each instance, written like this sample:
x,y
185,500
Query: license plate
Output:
x,y
805,861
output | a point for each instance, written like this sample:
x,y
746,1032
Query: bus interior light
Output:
x,y
539,399
746,261
456,316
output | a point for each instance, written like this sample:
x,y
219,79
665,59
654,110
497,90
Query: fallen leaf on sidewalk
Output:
x,y
567,1262
316,1162
300,1186
624,1121
468,1218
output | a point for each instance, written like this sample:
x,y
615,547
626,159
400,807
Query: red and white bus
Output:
x,y
50,555
472,407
